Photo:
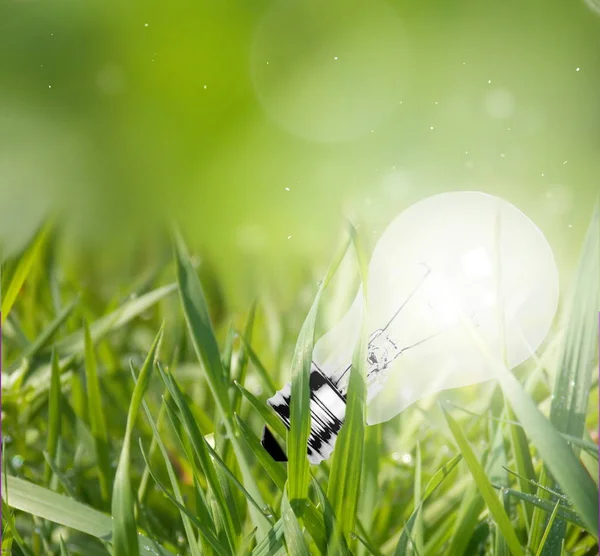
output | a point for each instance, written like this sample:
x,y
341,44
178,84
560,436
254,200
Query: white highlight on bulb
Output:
x,y
447,266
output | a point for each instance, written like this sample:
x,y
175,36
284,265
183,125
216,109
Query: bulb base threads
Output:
x,y
327,411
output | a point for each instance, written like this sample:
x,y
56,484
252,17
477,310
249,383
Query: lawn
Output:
x,y
132,415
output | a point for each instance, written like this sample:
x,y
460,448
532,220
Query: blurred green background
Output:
x,y
260,126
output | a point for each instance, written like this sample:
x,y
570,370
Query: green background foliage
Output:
x,y
136,362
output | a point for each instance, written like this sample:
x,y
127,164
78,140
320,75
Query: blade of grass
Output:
x,y
571,389
523,462
205,531
199,445
274,469
54,416
63,547
297,438
244,358
40,342
369,478
277,473
266,412
22,270
96,417
548,528
205,345
432,485
272,544
41,502
485,488
335,542
125,538
547,506
202,507
346,466
558,456
10,533
292,531
265,376
75,342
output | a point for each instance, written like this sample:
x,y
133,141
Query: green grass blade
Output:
x,y
297,439
558,456
294,538
40,342
335,541
265,376
548,529
198,320
485,488
523,461
75,342
572,385
432,485
54,416
60,476
22,270
234,480
202,506
278,474
346,466
193,545
418,528
266,412
205,345
369,478
63,547
272,544
41,502
205,531
11,534
96,417
547,506
274,469
200,448
125,538
244,358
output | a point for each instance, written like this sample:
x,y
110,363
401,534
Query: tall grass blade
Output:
x,y
275,470
205,345
266,412
63,547
272,544
346,467
74,343
40,342
260,368
291,529
125,538
548,529
200,448
547,506
41,502
22,270
485,488
207,533
432,485
96,417
571,389
297,439
54,416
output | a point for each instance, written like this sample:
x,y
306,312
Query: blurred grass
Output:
x,y
70,429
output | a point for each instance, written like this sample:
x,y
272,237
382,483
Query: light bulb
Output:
x,y
448,266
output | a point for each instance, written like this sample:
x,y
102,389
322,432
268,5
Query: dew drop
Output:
x,y
17,462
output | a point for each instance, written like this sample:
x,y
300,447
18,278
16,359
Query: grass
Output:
x,y
131,424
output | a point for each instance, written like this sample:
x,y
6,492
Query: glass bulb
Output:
x,y
448,266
